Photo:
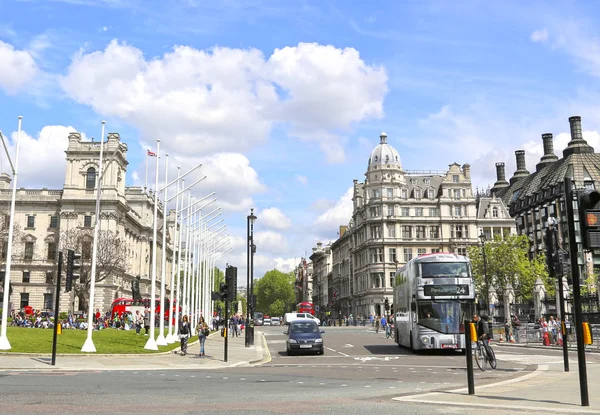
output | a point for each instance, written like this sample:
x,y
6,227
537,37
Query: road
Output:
x,y
360,371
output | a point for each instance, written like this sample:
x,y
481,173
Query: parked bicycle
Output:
x,y
482,358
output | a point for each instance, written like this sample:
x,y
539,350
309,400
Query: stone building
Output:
x,y
49,220
322,276
303,284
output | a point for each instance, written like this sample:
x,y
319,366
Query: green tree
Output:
x,y
275,293
507,263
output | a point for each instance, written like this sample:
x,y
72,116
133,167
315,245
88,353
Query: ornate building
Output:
x,y
47,221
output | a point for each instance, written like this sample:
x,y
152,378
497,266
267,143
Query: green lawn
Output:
x,y
26,340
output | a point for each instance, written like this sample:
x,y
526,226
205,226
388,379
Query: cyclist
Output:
x,y
483,335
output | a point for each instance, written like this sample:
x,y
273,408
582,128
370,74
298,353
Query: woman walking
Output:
x,y
184,334
203,332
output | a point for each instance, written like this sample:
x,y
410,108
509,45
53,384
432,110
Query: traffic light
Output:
x,y
231,278
73,267
387,304
224,291
589,217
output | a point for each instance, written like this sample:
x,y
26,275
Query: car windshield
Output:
x,y
444,269
307,327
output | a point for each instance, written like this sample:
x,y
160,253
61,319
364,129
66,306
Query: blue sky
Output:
x,y
284,100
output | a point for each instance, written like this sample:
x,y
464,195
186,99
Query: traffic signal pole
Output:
x,y
570,200
56,305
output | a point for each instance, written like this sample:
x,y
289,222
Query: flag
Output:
x,y
151,154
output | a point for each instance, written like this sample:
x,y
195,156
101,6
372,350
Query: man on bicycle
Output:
x,y
483,334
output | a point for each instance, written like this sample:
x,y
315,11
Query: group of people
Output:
x,y
185,332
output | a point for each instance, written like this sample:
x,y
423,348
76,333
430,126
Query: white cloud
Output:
x,y
286,264
270,242
17,69
339,214
202,100
540,35
274,218
47,149
302,179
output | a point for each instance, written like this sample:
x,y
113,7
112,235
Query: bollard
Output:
x,y
469,354
59,329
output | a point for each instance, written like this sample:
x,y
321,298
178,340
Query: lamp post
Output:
x,y
485,276
249,338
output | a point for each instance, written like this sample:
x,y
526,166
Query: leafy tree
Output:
x,y
275,293
507,263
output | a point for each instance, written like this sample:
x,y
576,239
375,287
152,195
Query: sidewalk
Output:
x,y
572,346
548,389
238,355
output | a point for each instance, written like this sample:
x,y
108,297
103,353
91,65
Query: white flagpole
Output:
x,y
161,340
88,345
185,310
151,343
174,306
179,292
4,343
193,283
146,179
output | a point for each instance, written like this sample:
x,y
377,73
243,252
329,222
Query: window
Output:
x,y
406,232
421,251
406,212
24,300
390,192
86,251
30,221
495,212
51,251
392,254
54,221
418,211
457,211
413,181
404,193
430,193
417,193
455,178
49,277
459,231
90,178
434,232
420,232
390,210
375,212
6,221
457,193
375,193
28,250
433,212
407,254
392,278
377,255
87,221
4,249
427,182
48,301
26,276
435,250
392,231
461,251
375,232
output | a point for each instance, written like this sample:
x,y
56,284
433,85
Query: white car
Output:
x,y
267,321
289,317
275,321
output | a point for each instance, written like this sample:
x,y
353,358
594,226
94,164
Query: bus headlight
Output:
x,y
425,340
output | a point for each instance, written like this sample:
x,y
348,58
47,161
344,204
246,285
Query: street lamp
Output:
x,y
483,238
251,248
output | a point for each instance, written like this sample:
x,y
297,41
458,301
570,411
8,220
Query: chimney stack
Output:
x,y
577,145
549,157
467,171
501,182
521,171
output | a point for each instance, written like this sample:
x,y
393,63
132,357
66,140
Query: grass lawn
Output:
x,y
26,340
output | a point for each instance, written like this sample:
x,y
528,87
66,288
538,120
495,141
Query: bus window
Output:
x,y
441,316
444,269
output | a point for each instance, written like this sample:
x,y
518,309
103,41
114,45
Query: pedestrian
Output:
x,y
507,330
515,326
146,321
203,332
139,321
184,334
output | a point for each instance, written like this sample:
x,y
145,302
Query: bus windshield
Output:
x,y
444,269
442,316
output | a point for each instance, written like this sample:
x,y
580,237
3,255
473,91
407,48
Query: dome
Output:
x,y
384,153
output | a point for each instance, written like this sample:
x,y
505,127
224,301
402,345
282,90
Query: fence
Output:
x,y
530,333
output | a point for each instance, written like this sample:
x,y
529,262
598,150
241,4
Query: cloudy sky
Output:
x,y
283,101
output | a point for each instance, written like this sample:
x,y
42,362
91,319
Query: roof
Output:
x,y
384,154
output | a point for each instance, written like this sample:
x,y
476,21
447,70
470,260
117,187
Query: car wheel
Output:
x,y
289,352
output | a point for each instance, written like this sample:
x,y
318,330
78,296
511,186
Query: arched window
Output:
x,y
90,178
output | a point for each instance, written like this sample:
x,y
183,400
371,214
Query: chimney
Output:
x,y
467,171
577,145
549,157
343,230
5,180
521,171
501,182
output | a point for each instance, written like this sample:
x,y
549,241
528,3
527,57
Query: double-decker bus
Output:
x,y
433,295
305,307
122,305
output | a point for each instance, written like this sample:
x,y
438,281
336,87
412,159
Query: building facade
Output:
x,y
49,220
322,276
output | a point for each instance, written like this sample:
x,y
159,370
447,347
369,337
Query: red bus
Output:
x,y
305,307
121,305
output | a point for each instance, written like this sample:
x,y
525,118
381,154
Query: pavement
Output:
x,y
238,356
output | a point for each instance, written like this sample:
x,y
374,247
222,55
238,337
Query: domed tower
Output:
x,y
384,165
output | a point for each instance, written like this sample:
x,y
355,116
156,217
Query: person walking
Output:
x,y
203,333
184,334
146,321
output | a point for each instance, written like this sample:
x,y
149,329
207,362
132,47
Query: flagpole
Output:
x,y
161,340
170,336
146,179
151,343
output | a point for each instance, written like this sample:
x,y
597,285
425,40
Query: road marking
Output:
x,y
348,345
330,349
344,354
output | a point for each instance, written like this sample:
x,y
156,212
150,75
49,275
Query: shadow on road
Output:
x,y
393,349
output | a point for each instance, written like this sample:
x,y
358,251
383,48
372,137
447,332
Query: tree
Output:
x,y
275,293
111,258
507,263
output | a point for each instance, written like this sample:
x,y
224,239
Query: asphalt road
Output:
x,y
361,371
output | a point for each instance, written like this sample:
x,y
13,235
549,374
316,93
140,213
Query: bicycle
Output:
x,y
388,331
482,358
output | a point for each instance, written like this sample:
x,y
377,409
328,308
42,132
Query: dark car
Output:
x,y
303,336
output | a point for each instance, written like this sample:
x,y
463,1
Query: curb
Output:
x,y
262,360
535,346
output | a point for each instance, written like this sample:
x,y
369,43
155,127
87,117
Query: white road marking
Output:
x,y
242,379
330,349
348,345
344,354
